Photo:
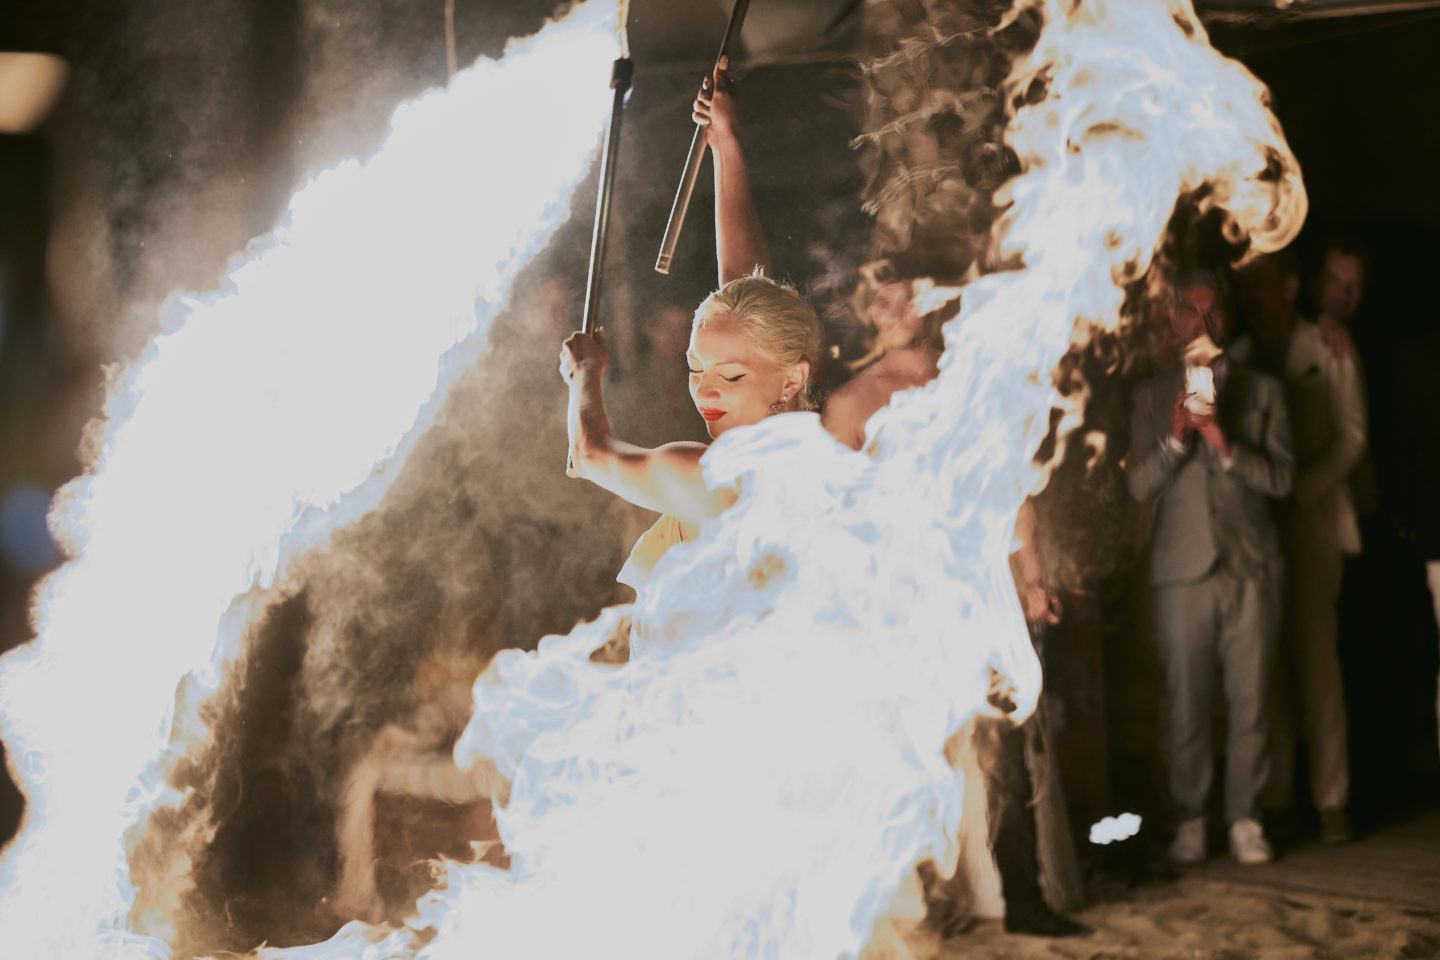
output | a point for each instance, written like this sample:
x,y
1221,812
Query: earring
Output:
x,y
779,405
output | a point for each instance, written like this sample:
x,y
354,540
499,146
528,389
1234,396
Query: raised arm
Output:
x,y
1159,443
665,479
739,241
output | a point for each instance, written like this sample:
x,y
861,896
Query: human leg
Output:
x,y
1185,615
1009,796
1249,628
1316,571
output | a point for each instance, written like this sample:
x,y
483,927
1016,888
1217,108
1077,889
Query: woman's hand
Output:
x,y
1042,606
583,353
716,106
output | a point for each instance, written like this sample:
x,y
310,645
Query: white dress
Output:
x,y
662,535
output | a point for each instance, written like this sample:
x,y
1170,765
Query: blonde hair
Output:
x,y
775,318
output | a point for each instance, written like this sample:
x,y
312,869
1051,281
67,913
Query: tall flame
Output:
x,y
269,412
762,775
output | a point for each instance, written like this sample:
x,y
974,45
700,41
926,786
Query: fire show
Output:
x,y
862,479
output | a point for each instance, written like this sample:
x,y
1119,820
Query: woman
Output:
x,y
753,345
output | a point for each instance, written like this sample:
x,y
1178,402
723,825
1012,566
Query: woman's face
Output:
x,y
732,382
893,313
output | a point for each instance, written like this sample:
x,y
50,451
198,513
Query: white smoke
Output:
x,y
267,413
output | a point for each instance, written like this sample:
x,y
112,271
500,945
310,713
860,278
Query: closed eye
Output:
x,y
735,379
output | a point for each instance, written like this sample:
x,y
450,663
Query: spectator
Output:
x,y
908,345
1211,443
1318,522
905,348
1338,288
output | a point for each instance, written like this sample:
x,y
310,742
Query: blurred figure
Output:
x,y
1340,284
905,348
1318,522
1012,797
1210,443
1337,290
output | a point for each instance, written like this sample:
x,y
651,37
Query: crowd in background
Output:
x,y
1255,476
1282,472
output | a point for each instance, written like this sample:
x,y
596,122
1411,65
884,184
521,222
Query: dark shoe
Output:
x,y
1038,920
1335,827
1188,848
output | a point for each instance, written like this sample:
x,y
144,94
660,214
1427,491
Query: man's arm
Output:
x,y
1268,467
1154,453
1347,416
739,240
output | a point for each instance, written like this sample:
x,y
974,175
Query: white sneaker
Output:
x,y
1248,843
1188,847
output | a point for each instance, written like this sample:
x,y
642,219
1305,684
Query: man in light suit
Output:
x,y
1319,525
1212,458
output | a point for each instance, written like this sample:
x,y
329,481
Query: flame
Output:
x,y
761,776
267,413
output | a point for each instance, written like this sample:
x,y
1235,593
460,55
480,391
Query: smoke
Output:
x,y
267,415
480,543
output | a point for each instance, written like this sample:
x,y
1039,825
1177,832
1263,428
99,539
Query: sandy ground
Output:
x,y
1378,897
1200,919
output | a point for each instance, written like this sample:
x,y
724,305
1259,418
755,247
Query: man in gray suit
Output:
x,y
1210,442
1318,524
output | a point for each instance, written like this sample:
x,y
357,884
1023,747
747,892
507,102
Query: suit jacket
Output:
x,y
1327,423
1208,511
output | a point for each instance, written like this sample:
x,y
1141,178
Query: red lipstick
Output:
x,y
711,413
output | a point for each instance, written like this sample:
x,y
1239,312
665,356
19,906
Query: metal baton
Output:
x,y
620,74
696,156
